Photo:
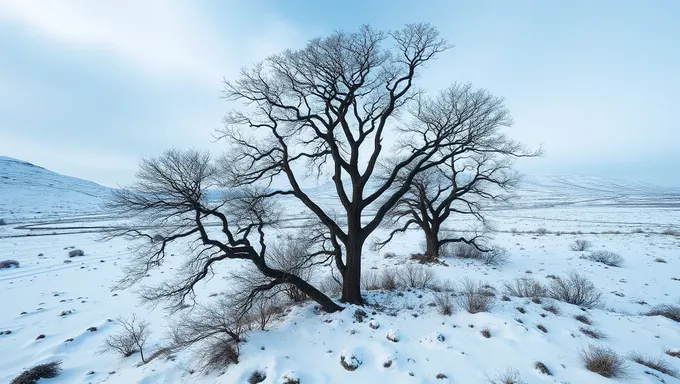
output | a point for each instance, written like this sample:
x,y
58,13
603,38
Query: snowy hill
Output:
x,y
29,192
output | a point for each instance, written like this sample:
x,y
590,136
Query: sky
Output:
x,y
88,88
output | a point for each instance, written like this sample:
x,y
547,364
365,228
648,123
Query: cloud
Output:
x,y
162,38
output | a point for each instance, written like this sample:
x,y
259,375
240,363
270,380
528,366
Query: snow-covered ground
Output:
x,y
62,300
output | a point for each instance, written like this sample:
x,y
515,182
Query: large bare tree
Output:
x,y
325,110
174,199
478,172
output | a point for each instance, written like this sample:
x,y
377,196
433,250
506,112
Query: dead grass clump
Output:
x,y
552,309
525,287
541,231
510,376
475,297
40,371
608,258
444,302
666,310
495,257
658,364
592,333
660,260
604,361
542,328
580,245
542,368
389,279
575,289
9,264
486,332
584,319
673,353
417,276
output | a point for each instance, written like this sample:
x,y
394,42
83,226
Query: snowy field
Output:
x,y
70,301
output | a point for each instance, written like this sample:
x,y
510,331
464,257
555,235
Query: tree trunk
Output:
x,y
351,280
432,244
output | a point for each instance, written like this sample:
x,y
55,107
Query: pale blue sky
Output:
x,y
88,87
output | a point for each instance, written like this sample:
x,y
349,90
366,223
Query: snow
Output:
x,y
403,338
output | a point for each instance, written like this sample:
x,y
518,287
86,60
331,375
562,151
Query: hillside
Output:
x,y
29,192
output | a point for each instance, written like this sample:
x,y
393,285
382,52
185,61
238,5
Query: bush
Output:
x,y
525,287
666,310
604,361
3,222
475,297
584,319
670,232
330,286
580,245
575,289
486,332
673,353
655,364
9,264
444,302
417,276
370,281
40,371
605,257
76,252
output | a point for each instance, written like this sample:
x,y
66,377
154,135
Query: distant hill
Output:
x,y
28,191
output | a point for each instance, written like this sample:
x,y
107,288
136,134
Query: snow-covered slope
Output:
x,y
28,192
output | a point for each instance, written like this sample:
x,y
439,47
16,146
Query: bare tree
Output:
x,y
129,340
173,195
325,110
478,170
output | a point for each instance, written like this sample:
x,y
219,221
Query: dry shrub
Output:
x,y
417,276
592,333
604,361
218,353
444,302
670,232
584,319
76,252
605,257
525,287
475,297
330,286
9,264
370,281
486,332
552,309
495,256
542,368
510,376
256,377
673,353
542,328
541,231
575,289
581,245
389,279
666,310
656,364
40,371
462,251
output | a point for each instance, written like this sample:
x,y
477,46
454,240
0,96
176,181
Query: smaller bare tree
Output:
x,y
132,338
478,169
